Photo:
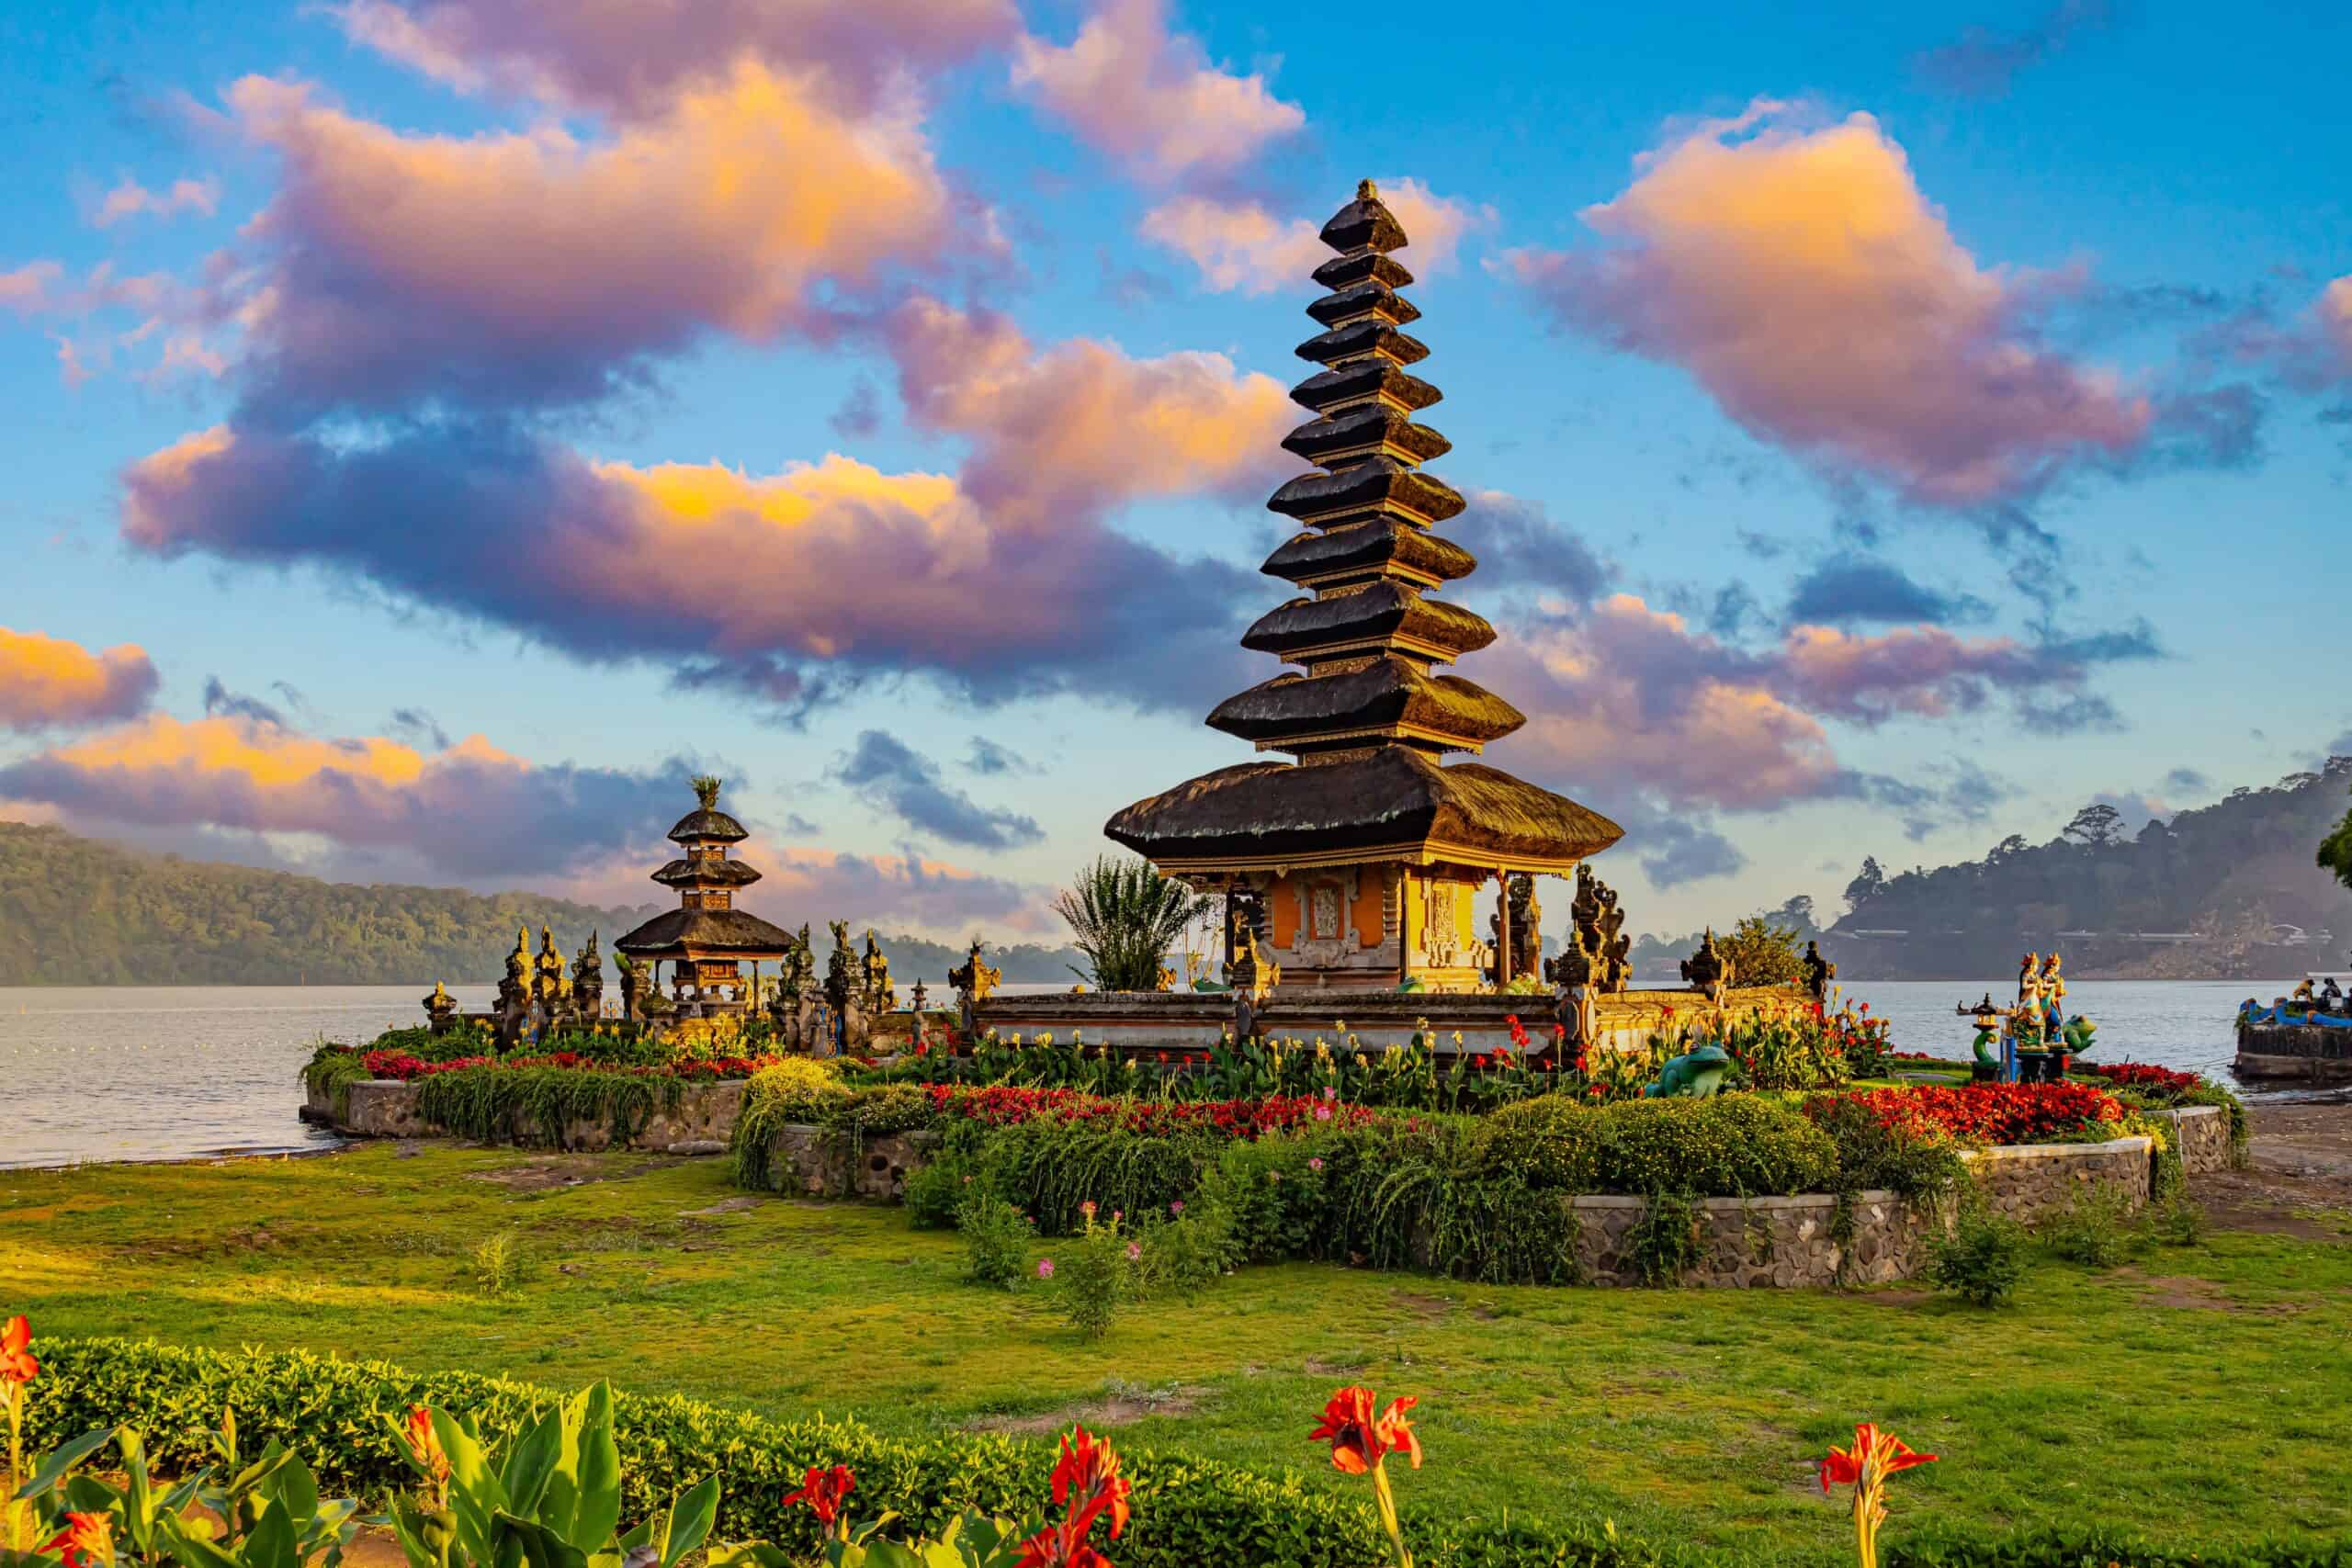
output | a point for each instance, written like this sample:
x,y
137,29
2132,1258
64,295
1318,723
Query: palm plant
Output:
x,y
1125,917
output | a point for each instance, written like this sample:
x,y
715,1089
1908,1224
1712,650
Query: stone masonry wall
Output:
x,y
821,1163
705,1116
2203,1132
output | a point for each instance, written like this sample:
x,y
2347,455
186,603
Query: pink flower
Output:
x,y
1329,1092
1044,1267
1134,1252
1323,1113
1177,1207
1315,1164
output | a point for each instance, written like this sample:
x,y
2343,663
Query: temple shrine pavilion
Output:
x,y
705,938
1358,862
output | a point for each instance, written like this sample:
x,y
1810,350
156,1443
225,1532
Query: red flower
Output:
x,y
426,1444
1087,1481
17,1365
1061,1545
1358,1438
824,1491
86,1539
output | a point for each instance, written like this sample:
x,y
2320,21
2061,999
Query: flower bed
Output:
x,y
1006,1106
1994,1112
401,1066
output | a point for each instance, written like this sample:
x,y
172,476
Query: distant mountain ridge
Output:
x,y
77,911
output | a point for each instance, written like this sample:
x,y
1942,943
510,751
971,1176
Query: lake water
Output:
x,y
134,1073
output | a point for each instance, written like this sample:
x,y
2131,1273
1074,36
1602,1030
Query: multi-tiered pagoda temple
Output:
x,y
706,937
1358,862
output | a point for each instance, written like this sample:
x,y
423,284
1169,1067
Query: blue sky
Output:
x,y
1884,433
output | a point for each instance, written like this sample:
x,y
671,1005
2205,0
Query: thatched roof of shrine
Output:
x,y
721,933
1376,612
706,871
1261,812
1388,692
708,823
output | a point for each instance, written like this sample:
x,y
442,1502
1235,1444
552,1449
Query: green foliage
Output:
x,y
266,1514
2101,1543
997,1237
1725,1146
2336,851
1762,953
1096,1272
2176,1220
498,1263
341,1415
1982,1257
1126,918
1552,1142
1051,1168
493,1104
1873,1156
1663,1244
2095,1229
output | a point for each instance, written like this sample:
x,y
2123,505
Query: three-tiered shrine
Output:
x,y
706,937
1358,861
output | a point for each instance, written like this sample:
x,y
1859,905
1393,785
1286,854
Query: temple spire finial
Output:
x,y
1367,191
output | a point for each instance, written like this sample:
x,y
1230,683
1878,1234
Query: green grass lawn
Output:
x,y
2204,1390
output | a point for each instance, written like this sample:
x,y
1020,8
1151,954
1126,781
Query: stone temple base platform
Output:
x,y
2316,1051
1136,1021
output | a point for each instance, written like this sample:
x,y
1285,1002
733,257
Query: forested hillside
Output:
x,y
2232,873
77,911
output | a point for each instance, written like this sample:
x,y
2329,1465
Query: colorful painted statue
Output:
x,y
1983,1046
1694,1074
2078,1034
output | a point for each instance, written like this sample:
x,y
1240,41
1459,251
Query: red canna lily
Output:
x,y
824,1491
1088,1484
87,1542
1060,1545
17,1362
1361,1442
1875,1456
426,1444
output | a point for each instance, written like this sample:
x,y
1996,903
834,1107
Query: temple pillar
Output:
x,y
1502,929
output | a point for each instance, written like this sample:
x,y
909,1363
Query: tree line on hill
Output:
x,y
77,911
2237,878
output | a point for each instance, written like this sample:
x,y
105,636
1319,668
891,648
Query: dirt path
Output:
x,y
2299,1181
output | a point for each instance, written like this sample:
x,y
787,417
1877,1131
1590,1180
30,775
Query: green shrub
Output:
x,y
1183,1251
2095,1229
885,1107
1982,1258
997,1237
935,1190
1050,1168
1724,1146
798,1091
2099,1545
1552,1142
492,1104
1874,1157
1096,1272
2176,1221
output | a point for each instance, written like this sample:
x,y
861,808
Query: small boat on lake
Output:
x,y
2304,1035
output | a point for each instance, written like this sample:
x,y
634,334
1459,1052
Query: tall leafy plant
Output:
x,y
1126,918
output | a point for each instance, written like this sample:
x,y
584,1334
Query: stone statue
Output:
x,y
881,996
554,984
1694,1074
1167,980
515,993
1595,913
841,979
1707,971
1526,935
633,978
1249,972
1818,973
440,1009
588,980
973,982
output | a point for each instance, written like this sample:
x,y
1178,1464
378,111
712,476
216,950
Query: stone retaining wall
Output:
x,y
705,1116
2204,1134
821,1163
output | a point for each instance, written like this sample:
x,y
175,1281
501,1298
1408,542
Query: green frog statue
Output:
x,y
1694,1074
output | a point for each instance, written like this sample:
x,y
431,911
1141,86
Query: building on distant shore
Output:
x,y
1359,861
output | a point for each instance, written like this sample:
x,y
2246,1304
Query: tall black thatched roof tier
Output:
x,y
1393,804
1367,711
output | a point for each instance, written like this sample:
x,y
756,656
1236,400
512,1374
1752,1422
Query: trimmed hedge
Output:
x,y
1187,1512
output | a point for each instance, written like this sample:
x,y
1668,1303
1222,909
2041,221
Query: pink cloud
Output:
x,y
2312,351
633,58
469,811
1242,245
1802,276
809,884
829,566
539,264
131,200
1150,98
48,680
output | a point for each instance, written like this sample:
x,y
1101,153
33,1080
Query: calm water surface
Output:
x,y
134,1073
